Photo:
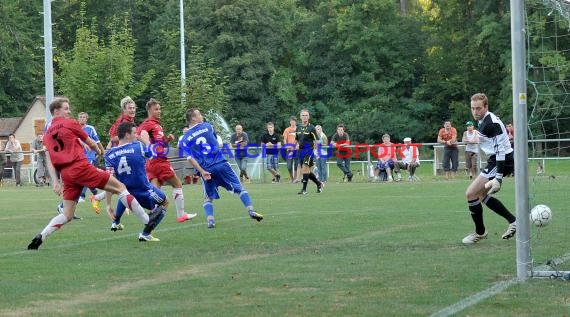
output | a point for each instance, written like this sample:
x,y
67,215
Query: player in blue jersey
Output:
x,y
127,162
200,144
82,117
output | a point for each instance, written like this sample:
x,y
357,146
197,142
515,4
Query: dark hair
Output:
x,y
151,102
124,127
293,118
190,114
57,103
340,125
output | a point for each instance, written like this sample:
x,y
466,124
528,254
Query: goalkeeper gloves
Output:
x,y
494,185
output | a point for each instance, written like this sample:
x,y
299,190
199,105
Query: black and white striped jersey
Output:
x,y
493,137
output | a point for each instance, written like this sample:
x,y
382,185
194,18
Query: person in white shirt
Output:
x,y
16,156
471,140
410,158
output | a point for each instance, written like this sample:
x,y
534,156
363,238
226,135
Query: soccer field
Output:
x,y
357,249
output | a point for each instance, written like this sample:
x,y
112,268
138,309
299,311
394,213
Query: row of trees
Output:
x,y
379,66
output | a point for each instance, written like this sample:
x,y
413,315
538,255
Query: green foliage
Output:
x,y
378,66
249,39
358,64
97,73
204,89
548,70
463,59
21,60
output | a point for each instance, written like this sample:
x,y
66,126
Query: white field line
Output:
x,y
475,299
133,235
112,294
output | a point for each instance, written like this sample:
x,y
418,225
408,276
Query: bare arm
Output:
x,y
439,139
453,136
93,145
100,146
198,167
57,188
144,138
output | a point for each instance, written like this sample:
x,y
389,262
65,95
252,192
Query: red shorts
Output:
x,y
81,174
159,169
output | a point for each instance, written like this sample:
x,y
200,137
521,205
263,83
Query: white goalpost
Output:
x,y
521,151
540,42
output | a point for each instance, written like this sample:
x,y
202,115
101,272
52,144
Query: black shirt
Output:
x,y
306,136
274,139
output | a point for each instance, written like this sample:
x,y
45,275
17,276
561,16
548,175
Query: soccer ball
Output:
x,y
540,215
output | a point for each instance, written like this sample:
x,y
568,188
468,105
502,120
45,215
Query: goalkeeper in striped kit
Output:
x,y
494,141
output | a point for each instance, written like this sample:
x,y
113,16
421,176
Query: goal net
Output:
x,y
547,27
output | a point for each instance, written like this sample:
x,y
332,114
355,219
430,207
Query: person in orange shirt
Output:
x,y
448,137
289,138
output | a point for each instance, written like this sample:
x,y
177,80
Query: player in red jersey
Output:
x,y
129,111
65,155
159,170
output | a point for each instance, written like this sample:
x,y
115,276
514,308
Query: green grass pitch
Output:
x,y
357,249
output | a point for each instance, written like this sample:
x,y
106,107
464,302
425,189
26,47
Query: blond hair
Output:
x,y
125,101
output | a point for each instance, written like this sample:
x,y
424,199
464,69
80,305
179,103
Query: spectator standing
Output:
x,y
16,157
272,144
471,140
339,141
448,137
239,141
289,137
511,134
2,161
322,154
40,152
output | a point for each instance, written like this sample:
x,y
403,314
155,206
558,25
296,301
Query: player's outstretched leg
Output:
x,y
55,224
209,213
246,200
36,242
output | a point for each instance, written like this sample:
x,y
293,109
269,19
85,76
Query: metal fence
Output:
x,y
363,164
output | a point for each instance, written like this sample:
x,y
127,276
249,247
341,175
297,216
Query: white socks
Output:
x,y
178,201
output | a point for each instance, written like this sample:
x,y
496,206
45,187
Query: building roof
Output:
x,y
9,125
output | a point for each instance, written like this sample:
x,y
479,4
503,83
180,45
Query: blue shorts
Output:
x,y
148,199
383,165
272,162
222,176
